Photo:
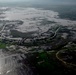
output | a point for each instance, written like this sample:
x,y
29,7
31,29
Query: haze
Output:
x,y
43,1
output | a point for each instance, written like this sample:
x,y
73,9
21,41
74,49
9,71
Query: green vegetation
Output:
x,y
2,45
47,63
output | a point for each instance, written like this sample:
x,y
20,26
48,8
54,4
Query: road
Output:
x,y
55,33
1,31
4,25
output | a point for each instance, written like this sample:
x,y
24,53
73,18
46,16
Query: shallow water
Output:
x,y
11,64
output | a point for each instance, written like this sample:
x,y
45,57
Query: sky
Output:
x,y
42,1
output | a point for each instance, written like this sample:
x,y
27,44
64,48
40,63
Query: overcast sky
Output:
x,y
42,1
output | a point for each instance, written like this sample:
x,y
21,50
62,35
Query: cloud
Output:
x,y
34,18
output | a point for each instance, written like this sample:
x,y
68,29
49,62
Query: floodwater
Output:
x,y
11,64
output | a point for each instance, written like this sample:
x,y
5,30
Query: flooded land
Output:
x,y
37,41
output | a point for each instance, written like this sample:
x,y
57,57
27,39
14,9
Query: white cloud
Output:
x,y
33,17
